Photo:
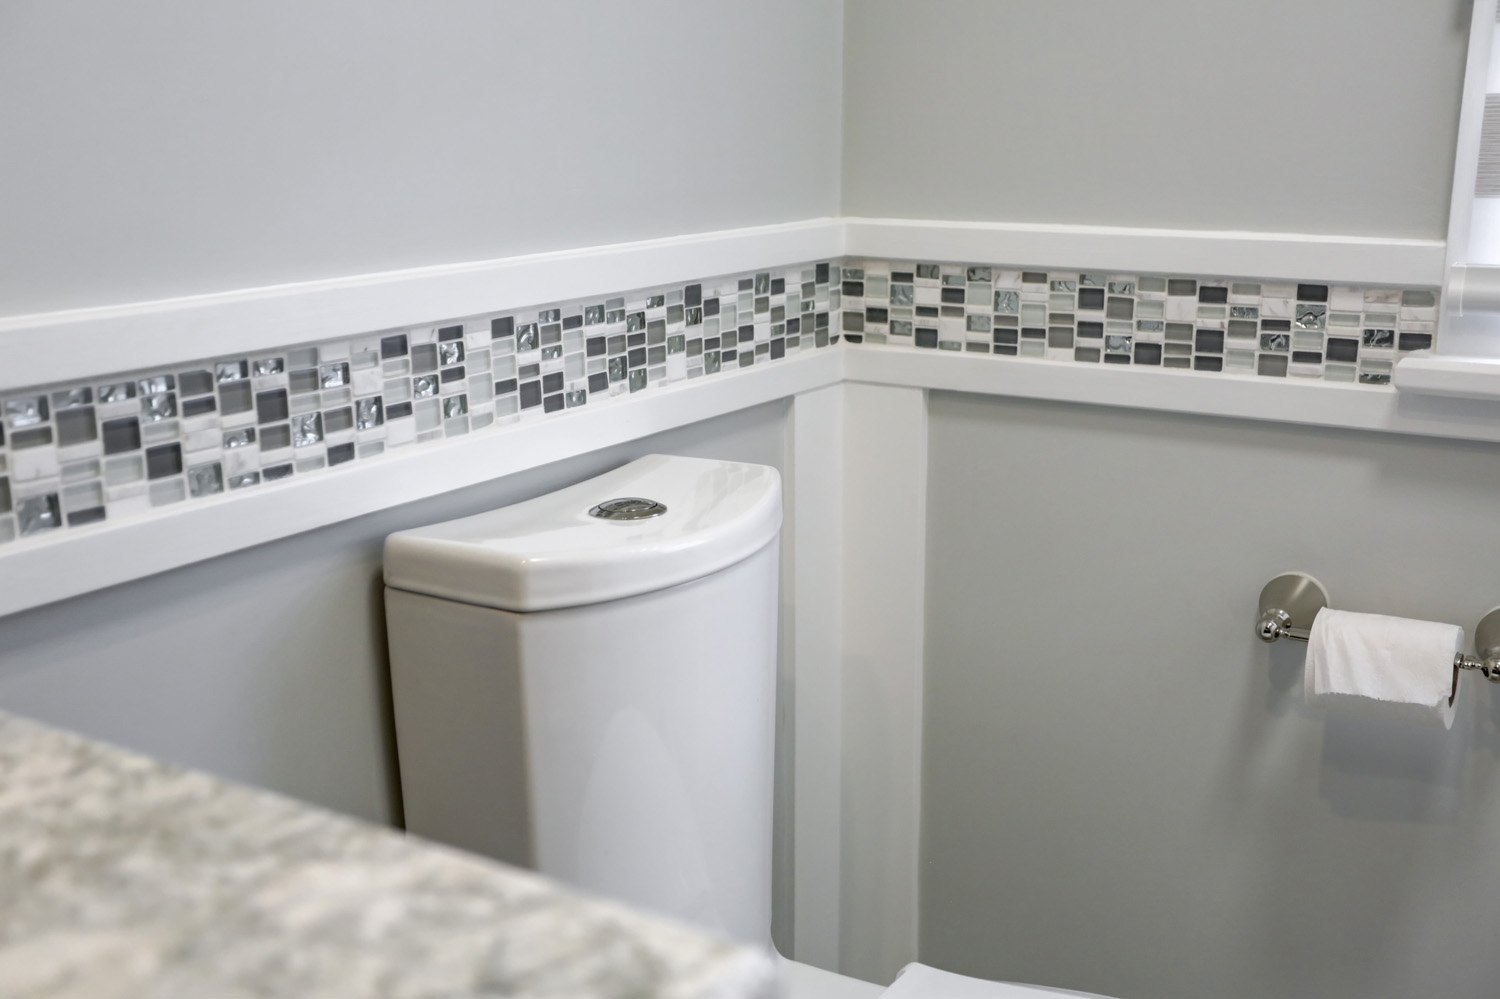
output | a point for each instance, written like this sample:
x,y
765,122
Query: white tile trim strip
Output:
x,y
80,344
55,347
1246,255
67,563
1281,400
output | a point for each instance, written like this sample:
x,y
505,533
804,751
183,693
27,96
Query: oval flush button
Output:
x,y
628,508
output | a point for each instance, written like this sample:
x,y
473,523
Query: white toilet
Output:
x,y
584,684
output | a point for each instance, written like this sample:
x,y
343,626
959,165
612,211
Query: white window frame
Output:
x,y
1466,359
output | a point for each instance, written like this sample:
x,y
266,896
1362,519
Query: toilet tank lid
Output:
x,y
549,552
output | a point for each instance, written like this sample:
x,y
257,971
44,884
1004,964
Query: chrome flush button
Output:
x,y
628,508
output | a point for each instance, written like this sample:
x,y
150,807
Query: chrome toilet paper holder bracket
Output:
x,y
1289,603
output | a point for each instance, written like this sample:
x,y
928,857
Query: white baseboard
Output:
x,y
56,347
1272,255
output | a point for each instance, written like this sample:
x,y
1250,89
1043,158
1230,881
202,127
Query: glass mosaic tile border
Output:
x,y
113,447
118,446
1273,329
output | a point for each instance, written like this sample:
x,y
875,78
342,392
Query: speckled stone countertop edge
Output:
x,y
123,877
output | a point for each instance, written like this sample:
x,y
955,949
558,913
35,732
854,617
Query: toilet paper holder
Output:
x,y
1289,603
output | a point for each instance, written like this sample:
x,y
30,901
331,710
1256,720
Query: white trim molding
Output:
x,y
55,347
884,523
1248,397
1465,327
816,494
1470,129
1450,377
1271,255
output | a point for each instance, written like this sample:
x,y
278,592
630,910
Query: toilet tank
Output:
x,y
584,684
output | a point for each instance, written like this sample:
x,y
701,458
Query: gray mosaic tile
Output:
x,y
222,425
1210,326
307,429
26,411
70,397
275,438
228,423
75,426
36,514
116,392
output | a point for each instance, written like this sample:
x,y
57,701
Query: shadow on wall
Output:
x,y
1378,768
1386,771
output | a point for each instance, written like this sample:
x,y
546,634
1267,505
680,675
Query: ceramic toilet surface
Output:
x,y
644,527
916,981
803,981
570,695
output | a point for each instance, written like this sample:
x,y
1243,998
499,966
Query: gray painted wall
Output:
x,y
1124,791
1283,115
168,147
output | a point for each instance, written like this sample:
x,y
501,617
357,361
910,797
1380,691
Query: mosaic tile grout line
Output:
x,y
109,448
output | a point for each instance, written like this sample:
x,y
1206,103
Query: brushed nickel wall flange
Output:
x,y
1288,605
1487,645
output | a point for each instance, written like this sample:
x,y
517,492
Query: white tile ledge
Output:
x,y
1288,256
1449,377
78,560
1250,397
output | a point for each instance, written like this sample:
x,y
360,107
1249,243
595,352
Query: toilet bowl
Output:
x,y
584,684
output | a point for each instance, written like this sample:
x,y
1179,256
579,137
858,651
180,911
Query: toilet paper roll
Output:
x,y
1404,668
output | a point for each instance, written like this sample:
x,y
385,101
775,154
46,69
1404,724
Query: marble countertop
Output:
x,y
121,876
